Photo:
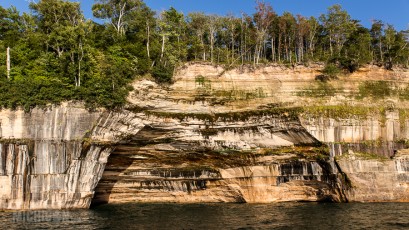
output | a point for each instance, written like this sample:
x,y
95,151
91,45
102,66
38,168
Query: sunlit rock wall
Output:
x,y
214,135
175,159
379,180
44,174
54,157
40,158
373,133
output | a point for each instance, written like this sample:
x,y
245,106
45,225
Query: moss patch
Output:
x,y
376,89
363,156
320,89
343,111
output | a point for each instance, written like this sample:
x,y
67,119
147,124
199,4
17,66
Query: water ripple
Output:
x,y
217,216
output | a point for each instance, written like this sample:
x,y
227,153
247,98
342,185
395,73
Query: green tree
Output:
x,y
313,29
10,24
213,25
171,28
390,52
116,12
377,30
196,26
232,25
338,26
142,37
396,45
262,20
357,49
65,32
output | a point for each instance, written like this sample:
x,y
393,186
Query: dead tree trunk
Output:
x,y
8,63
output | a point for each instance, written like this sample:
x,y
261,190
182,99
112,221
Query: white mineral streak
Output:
x,y
355,130
45,160
377,180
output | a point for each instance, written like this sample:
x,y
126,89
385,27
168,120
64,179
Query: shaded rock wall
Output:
x,y
195,160
219,178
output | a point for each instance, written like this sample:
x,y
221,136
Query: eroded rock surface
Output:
x,y
54,157
242,135
377,179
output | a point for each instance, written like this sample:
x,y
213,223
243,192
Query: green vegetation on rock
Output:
x,y
376,89
321,89
302,152
342,111
363,156
382,90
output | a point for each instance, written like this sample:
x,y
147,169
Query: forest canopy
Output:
x,y
57,55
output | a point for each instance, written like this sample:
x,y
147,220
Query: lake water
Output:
x,y
217,216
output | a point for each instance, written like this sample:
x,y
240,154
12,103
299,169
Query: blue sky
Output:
x,y
395,12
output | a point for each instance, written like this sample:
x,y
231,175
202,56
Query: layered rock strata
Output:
x,y
242,135
377,180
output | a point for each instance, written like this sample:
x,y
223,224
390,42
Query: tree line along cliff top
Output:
x,y
56,54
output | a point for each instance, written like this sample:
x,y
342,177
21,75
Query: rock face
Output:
x,y
377,180
243,135
224,164
371,134
290,181
44,174
54,158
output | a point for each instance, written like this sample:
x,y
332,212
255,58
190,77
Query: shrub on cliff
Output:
x,y
162,74
329,72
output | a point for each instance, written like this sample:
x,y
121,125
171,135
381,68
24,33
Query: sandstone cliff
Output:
x,y
242,135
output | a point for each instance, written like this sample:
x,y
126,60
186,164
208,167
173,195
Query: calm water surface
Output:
x,y
217,216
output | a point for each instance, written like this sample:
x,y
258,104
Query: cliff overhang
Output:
x,y
243,135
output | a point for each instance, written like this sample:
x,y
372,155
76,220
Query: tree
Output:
x,y
171,26
232,24
288,28
357,50
302,32
213,25
390,33
117,12
10,24
65,30
377,39
274,33
141,27
262,19
338,26
313,28
396,47
197,25
247,38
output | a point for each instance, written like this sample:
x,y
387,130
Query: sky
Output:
x,y
395,12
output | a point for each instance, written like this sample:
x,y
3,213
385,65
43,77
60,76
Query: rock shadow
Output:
x,y
118,168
